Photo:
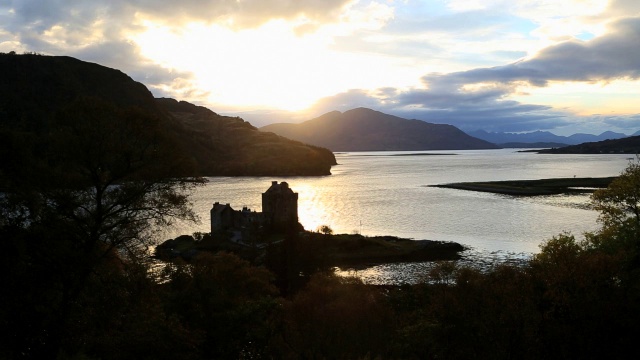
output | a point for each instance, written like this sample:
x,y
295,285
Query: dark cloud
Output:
x,y
508,117
442,99
40,15
609,57
125,55
468,111
630,122
485,108
623,7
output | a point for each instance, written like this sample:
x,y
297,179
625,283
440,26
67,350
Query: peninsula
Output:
x,y
534,187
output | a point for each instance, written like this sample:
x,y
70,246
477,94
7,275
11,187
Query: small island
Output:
x,y
258,235
333,250
534,187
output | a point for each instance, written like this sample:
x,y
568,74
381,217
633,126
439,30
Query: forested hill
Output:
x,y
34,89
224,145
364,129
628,145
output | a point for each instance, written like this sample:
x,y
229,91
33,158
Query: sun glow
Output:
x,y
264,66
271,66
615,97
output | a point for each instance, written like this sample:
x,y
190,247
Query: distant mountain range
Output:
x,y
364,129
34,89
538,138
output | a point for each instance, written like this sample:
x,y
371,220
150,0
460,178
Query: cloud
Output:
x,y
245,12
101,31
481,109
40,16
440,37
631,122
606,58
480,98
346,100
93,31
623,8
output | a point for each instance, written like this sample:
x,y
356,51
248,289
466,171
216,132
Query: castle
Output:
x,y
279,213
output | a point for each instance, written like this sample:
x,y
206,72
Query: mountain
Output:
x,y
535,145
628,145
35,88
364,129
502,138
582,138
224,145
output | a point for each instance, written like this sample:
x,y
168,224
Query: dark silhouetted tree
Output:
x,y
92,188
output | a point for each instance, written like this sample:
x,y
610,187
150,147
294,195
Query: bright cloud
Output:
x,y
271,65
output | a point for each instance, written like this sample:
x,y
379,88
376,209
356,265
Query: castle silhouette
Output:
x,y
279,213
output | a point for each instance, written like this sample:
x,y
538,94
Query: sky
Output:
x,y
570,66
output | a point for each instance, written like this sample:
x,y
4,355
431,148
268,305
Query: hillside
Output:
x,y
34,88
508,139
533,145
364,129
224,145
628,145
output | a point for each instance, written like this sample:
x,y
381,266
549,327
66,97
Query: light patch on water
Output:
x,y
417,272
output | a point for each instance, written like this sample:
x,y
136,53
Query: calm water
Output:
x,y
387,193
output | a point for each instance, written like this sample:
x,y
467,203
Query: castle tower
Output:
x,y
221,217
280,207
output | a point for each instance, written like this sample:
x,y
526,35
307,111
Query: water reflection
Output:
x,y
386,195
416,272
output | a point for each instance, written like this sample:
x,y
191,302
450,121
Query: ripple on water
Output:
x,y
416,272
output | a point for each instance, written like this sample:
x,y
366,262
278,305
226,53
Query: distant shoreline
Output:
x,y
411,154
534,187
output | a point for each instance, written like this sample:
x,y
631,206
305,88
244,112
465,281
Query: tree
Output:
x,y
91,188
337,318
325,229
619,207
226,301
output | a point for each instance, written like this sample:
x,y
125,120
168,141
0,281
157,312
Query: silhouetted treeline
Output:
x,y
568,303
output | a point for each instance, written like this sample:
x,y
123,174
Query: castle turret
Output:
x,y
222,217
280,207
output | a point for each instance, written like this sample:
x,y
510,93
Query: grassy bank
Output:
x,y
534,187
354,249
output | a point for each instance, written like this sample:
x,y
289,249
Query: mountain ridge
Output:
x,y
503,138
34,88
363,129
